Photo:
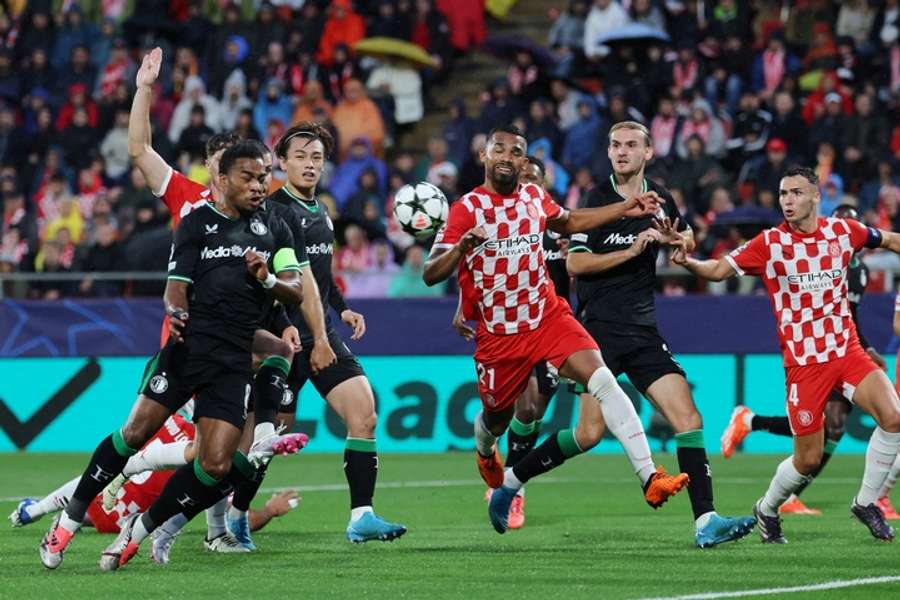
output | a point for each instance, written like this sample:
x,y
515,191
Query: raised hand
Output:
x,y
256,265
668,229
149,70
643,239
643,205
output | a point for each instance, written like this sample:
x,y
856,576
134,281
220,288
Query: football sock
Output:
x,y
692,460
830,446
880,457
268,388
245,492
54,501
361,470
108,460
786,481
776,425
156,457
484,439
520,440
891,480
623,421
555,450
215,519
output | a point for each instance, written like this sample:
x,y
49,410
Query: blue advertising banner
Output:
x,y
425,403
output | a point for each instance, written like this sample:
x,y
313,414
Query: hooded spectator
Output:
x,y
605,16
582,138
703,124
75,31
360,158
114,148
357,116
234,100
343,27
194,94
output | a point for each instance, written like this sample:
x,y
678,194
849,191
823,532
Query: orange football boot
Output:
x,y
661,486
491,468
736,431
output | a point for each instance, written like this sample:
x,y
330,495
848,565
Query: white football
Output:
x,y
420,209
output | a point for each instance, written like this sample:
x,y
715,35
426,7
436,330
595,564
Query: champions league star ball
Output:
x,y
420,209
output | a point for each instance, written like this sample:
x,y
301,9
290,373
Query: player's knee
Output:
x,y
890,421
589,434
136,435
808,461
834,431
283,349
526,412
688,421
362,425
216,465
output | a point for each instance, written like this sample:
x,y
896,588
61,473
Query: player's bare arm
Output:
x,y
140,148
443,261
176,301
712,270
671,236
322,353
585,263
585,219
356,322
286,287
459,322
890,240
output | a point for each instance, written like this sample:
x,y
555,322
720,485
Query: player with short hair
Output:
x,y
224,255
492,239
743,420
302,152
803,263
615,269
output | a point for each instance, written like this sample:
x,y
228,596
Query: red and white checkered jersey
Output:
x,y
504,279
806,277
181,195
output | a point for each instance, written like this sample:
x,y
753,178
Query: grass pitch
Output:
x,y
588,534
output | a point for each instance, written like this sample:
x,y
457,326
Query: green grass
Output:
x,y
588,534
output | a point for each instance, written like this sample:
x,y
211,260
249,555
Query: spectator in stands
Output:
x,y
114,149
388,24
458,132
103,256
194,95
703,124
822,53
268,29
366,206
664,129
767,175
871,190
115,70
605,16
341,71
244,125
500,108
77,99
886,28
787,125
343,27
696,173
234,99
525,79
374,282
556,178
408,282
566,99
272,105
357,116
194,137
466,20
566,37
831,125
311,99
79,140
234,57
77,70
472,172
39,32
582,138
38,73
355,256
75,31
49,261
771,66
855,19
360,158
401,81
430,30
865,136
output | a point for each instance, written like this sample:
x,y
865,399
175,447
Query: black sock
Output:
x,y
361,470
693,461
108,461
268,388
826,456
776,425
555,450
520,439
245,491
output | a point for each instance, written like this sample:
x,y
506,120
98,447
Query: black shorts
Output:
x,y
345,367
221,389
547,381
636,350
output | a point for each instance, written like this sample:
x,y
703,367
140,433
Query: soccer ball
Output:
x,y
420,209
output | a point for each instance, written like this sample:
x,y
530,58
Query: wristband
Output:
x,y
269,281
178,313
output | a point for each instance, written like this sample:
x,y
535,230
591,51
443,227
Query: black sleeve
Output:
x,y
336,298
854,312
280,320
584,241
672,211
185,251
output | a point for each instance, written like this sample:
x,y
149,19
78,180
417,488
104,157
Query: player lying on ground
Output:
x,y
743,420
615,269
803,263
493,241
141,491
525,426
209,353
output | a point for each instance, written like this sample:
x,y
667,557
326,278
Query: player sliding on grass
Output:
x,y
803,263
493,240
743,420
224,253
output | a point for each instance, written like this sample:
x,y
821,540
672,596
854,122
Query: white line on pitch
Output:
x,y
828,585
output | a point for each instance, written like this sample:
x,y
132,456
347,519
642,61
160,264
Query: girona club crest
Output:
x,y
834,249
805,418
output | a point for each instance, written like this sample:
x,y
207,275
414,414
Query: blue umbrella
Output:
x,y
633,33
506,46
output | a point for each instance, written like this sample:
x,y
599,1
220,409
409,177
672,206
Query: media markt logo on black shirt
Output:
x,y
231,251
617,239
320,248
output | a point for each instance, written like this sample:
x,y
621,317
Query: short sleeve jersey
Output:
x,y
505,278
225,301
623,294
182,195
806,277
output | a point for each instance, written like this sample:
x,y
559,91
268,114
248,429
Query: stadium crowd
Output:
x,y
733,95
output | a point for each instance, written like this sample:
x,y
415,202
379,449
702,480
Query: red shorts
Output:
x,y
504,363
809,386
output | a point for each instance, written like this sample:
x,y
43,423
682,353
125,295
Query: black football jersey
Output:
x,y
555,262
318,235
857,280
225,301
623,294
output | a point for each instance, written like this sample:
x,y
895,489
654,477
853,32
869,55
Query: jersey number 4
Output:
x,y
793,396
485,376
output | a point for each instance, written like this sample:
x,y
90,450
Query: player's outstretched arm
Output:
x,y
581,261
140,149
585,219
890,240
443,261
278,505
286,287
712,270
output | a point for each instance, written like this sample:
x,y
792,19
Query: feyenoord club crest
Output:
x,y
834,249
258,228
159,384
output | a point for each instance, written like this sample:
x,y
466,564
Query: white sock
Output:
x,y
139,532
880,457
263,430
215,519
511,481
891,480
174,524
786,481
156,457
748,419
54,501
623,421
356,513
703,519
484,439
68,523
